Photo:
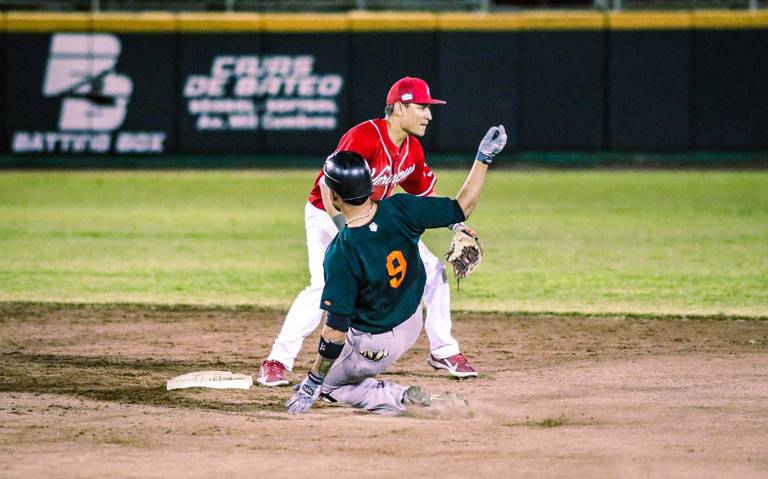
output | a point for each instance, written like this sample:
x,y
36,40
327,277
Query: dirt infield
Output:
x,y
83,395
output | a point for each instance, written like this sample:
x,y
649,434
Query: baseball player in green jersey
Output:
x,y
374,281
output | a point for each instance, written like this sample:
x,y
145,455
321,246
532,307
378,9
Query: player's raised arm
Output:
x,y
491,145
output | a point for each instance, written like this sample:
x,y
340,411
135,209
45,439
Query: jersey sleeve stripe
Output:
x,y
382,140
387,188
407,149
429,190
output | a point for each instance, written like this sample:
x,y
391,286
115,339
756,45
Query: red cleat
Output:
x,y
457,365
272,373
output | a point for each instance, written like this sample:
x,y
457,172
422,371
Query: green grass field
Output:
x,y
648,242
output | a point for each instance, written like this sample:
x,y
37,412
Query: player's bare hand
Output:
x,y
306,394
491,144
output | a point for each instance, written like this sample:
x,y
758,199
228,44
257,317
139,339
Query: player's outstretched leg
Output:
x,y
390,399
305,313
303,318
445,353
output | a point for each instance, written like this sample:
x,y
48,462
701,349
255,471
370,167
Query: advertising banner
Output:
x,y
216,111
247,93
310,112
90,93
200,84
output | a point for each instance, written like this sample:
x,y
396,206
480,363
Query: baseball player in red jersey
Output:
x,y
396,158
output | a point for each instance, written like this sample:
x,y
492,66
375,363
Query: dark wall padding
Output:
x,y
730,89
479,76
648,99
562,90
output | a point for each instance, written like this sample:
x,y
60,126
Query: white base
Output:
x,y
210,379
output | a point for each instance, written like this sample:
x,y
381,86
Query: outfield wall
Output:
x,y
156,83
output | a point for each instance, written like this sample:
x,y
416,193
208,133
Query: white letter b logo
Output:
x,y
81,72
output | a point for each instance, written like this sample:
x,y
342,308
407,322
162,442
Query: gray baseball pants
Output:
x,y
351,379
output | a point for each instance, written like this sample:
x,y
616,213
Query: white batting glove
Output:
x,y
306,395
492,144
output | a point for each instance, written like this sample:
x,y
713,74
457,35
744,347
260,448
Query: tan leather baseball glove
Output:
x,y
465,253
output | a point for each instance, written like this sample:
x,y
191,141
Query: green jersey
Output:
x,y
373,273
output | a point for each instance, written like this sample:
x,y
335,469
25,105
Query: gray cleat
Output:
x,y
414,396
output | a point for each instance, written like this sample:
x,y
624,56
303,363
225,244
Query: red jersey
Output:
x,y
390,165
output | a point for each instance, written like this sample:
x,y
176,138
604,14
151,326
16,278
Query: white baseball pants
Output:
x,y
305,314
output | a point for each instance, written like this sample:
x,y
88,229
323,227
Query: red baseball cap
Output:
x,y
411,90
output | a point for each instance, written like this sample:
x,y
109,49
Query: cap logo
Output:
x,y
407,96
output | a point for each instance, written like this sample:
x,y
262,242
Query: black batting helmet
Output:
x,y
347,174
